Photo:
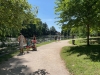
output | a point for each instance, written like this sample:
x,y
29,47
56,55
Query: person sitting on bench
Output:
x,y
34,42
28,45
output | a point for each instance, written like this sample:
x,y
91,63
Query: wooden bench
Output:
x,y
93,41
33,47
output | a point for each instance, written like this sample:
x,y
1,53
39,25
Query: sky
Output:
x,y
46,12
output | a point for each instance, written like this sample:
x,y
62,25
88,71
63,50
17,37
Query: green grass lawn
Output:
x,y
43,43
82,59
83,41
7,56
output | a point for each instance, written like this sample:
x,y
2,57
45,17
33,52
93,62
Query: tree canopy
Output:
x,y
73,13
12,15
19,16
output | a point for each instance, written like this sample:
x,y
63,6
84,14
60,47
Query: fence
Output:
x,y
11,45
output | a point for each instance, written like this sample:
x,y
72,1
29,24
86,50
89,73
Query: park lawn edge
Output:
x,y
78,64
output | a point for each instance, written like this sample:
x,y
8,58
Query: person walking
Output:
x,y
21,40
56,38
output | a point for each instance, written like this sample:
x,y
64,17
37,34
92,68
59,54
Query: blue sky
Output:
x,y
46,12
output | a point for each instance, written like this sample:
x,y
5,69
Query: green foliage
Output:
x,y
37,28
77,12
19,16
45,29
15,15
12,14
53,30
74,13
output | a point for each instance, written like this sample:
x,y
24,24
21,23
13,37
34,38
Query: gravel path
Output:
x,y
45,59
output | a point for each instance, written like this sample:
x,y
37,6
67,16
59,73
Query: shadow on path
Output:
x,y
14,67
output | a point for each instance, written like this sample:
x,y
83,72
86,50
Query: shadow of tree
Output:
x,y
40,72
14,66
92,52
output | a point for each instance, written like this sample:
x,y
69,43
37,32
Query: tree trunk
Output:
x,y
88,33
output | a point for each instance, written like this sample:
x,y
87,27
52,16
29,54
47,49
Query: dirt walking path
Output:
x,y
46,58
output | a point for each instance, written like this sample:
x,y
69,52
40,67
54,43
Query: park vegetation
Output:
x,y
19,16
81,17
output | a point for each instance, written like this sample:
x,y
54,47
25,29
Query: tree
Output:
x,y
81,31
35,27
74,13
16,16
53,30
45,29
12,14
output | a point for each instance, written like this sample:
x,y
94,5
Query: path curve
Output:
x,y
47,57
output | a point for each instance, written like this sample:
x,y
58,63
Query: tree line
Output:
x,y
19,16
39,29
